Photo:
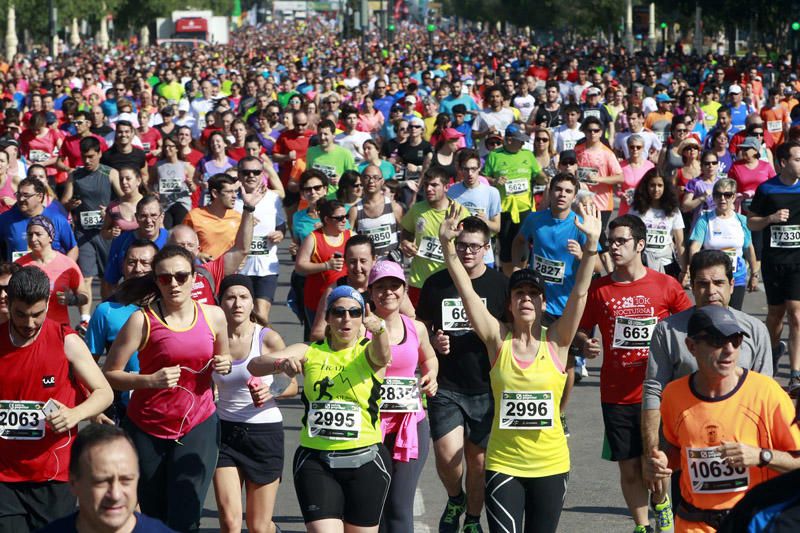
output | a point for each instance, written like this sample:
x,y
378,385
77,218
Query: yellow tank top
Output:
x,y
341,396
527,438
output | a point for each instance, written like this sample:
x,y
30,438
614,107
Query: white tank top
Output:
x,y
235,403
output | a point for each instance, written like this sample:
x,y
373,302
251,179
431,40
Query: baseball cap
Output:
x,y
386,269
734,89
410,99
344,291
514,133
568,157
663,97
416,121
451,133
593,91
750,142
716,320
50,117
521,277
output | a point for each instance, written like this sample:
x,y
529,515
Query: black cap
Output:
x,y
460,108
568,156
526,276
715,320
235,279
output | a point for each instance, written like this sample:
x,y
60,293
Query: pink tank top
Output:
x,y
6,191
172,413
405,357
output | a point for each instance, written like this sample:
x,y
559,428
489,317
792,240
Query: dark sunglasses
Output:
x,y
726,195
593,130
339,312
340,218
313,188
4,288
166,279
249,172
719,341
709,163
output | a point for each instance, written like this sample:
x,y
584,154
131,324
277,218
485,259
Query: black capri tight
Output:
x,y
536,500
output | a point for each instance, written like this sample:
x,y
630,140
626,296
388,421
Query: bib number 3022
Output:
x,y
526,410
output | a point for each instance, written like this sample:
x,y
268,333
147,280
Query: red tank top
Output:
x,y
317,283
172,413
30,376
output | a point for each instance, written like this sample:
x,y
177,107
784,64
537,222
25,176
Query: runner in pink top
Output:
x,y
171,417
405,427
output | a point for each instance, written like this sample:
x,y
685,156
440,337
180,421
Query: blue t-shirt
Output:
x,y
466,130
14,227
701,234
119,247
446,106
303,225
482,198
549,236
107,319
384,105
144,524
387,169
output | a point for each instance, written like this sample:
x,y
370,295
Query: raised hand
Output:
x,y
590,224
373,323
449,229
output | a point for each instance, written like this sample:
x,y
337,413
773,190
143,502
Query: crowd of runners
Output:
x,y
469,218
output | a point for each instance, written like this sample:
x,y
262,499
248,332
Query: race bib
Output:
x,y
328,170
709,474
569,144
552,271
586,173
400,395
662,135
20,420
454,316
430,248
539,189
517,186
169,184
657,239
38,156
774,126
91,219
17,255
633,333
591,113
260,245
380,236
526,410
784,236
334,420
731,253
146,147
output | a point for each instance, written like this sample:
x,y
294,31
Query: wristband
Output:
x,y
277,365
248,208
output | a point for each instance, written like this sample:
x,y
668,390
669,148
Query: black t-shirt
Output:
x,y
103,131
550,119
466,368
116,160
771,196
414,154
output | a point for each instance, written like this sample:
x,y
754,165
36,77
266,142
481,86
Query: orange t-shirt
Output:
x,y
775,121
757,413
216,235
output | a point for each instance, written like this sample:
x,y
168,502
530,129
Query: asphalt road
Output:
x,y
594,500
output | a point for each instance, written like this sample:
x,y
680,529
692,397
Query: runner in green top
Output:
x,y
340,468
332,160
512,169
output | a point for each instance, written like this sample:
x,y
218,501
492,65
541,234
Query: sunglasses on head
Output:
x,y
340,312
166,279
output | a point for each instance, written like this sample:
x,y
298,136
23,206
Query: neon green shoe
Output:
x,y
663,515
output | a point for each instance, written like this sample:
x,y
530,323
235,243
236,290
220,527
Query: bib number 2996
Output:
x,y
526,410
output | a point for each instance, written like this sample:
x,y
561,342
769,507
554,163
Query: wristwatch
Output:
x,y
383,328
248,208
764,457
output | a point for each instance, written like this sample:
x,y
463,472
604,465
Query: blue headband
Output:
x,y
344,291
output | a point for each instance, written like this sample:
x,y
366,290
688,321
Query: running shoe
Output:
x,y
451,517
777,353
794,386
564,424
472,527
663,515
643,529
584,372
82,328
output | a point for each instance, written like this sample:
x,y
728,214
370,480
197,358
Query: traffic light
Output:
x,y
431,28
663,25
390,29
795,26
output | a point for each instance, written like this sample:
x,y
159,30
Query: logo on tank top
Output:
x,y
48,382
323,385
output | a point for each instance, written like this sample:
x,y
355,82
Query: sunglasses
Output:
x,y
166,279
340,312
313,188
340,218
681,130
634,147
593,130
301,125
249,172
709,163
542,139
4,288
372,177
726,195
719,341
357,185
